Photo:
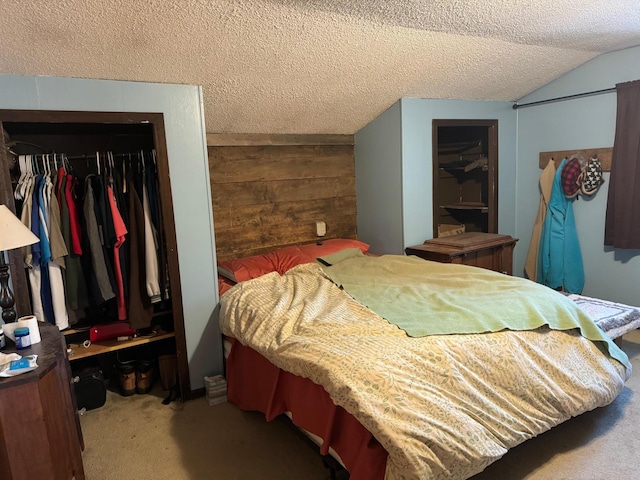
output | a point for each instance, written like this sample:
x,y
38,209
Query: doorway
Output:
x,y
41,133
465,176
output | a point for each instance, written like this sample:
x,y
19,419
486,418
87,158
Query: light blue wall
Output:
x,y
417,172
417,118
587,122
186,147
378,152
394,170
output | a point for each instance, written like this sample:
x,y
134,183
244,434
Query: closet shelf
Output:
x,y
479,161
458,147
104,346
73,331
467,206
86,328
460,167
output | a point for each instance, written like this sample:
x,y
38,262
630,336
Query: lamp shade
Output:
x,y
13,233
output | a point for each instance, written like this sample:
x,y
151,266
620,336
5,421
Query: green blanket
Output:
x,y
430,298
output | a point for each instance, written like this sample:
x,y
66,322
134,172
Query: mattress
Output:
x,y
442,406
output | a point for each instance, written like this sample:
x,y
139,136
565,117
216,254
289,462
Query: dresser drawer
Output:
x,y
485,250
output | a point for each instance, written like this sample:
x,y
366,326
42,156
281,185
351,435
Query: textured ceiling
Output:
x,y
299,66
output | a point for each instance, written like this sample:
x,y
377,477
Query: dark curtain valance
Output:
x,y
622,225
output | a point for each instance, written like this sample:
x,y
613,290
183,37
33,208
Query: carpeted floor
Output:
x,y
133,438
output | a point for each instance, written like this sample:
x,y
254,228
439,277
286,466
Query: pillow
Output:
x,y
286,258
283,259
246,268
334,245
337,257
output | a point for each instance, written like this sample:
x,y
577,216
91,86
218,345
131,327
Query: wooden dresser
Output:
x,y
486,250
40,436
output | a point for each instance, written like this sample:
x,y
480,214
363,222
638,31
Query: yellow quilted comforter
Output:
x,y
442,406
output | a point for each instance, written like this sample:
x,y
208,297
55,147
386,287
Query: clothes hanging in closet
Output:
x,y
75,284
45,259
100,239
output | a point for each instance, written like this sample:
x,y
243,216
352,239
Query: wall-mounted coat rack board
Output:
x,y
604,155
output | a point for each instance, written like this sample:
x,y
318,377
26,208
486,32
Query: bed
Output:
x,y
464,364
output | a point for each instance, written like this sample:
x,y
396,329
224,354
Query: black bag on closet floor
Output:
x,y
90,387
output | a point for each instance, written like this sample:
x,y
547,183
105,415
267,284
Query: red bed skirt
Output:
x,y
254,383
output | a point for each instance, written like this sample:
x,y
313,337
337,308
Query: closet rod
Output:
x,y
90,156
567,97
85,157
93,155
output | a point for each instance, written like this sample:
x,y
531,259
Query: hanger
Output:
x,y
49,171
56,162
124,174
23,173
66,164
110,165
27,165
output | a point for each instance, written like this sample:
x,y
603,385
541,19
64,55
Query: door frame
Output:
x,y
492,156
156,120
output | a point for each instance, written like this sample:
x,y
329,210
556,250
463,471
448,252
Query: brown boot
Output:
x,y
144,376
127,377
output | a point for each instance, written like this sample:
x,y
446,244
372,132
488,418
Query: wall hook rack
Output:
x,y
603,154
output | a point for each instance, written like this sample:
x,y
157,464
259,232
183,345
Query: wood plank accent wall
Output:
x,y
269,190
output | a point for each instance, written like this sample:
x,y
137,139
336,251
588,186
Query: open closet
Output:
x,y
115,157
465,176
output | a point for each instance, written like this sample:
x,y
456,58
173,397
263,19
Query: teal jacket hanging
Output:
x,y
559,257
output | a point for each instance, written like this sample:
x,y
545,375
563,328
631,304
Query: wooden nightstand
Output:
x,y
485,250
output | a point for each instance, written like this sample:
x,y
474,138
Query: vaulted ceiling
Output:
x,y
302,66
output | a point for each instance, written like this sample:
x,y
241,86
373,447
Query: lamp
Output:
x,y
13,234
